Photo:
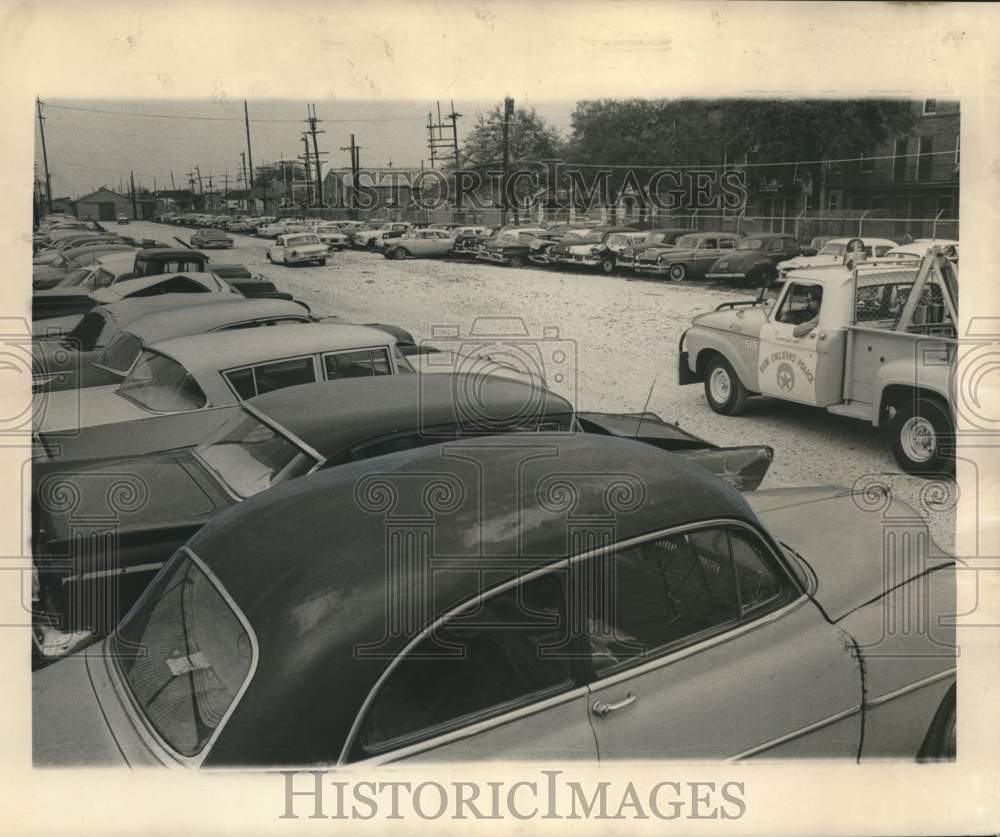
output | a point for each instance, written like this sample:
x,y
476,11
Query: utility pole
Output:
x,y
246,114
312,120
201,185
211,193
355,167
508,112
173,185
45,154
131,178
308,162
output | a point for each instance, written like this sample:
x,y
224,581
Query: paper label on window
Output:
x,y
185,665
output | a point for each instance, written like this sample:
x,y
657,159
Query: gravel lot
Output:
x,y
624,333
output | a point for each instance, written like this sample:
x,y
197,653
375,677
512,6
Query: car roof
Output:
x,y
131,308
162,325
117,260
333,416
717,233
769,235
865,239
167,252
311,565
206,353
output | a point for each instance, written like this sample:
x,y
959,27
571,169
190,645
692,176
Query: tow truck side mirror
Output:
x,y
761,295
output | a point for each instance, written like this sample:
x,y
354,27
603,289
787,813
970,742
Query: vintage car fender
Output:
x,y
906,373
733,333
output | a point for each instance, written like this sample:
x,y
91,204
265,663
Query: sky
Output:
x,y
87,150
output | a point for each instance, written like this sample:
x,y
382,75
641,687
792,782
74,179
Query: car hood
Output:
x,y
747,319
68,726
843,541
68,410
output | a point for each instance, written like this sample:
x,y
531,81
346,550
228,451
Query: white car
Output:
x,y
833,253
369,237
285,225
298,248
332,236
918,249
209,372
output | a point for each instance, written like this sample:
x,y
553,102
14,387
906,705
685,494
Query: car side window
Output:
x,y
708,244
267,377
483,662
758,584
776,246
727,244
800,305
357,364
657,594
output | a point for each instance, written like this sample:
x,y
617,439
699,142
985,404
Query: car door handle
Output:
x,y
602,709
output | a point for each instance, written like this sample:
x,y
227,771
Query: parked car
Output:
x,y
203,373
468,240
210,237
285,225
693,585
298,248
603,253
332,236
755,260
918,249
44,277
70,304
420,244
652,238
875,343
154,261
571,237
834,251
367,237
510,247
121,218
689,257
103,349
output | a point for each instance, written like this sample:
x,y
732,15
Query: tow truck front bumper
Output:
x,y
684,373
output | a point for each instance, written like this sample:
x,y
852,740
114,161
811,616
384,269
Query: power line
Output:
x,y
228,118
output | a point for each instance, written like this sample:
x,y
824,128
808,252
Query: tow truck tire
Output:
x,y
516,261
607,266
918,434
723,388
762,277
678,272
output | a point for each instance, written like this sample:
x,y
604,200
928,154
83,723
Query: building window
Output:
x,y
930,107
899,161
866,164
925,148
833,201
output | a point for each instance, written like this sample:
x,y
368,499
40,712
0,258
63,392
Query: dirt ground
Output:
x,y
608,343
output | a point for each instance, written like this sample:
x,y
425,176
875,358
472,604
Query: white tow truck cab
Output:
x,y
874,341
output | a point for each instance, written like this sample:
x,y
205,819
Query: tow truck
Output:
x,y
873,340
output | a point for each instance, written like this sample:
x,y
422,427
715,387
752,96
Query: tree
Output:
x,y
811,130
529,138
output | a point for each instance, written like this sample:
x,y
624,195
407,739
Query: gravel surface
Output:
x,y
623,333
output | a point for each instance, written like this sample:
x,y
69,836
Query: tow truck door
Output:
x,y
787,364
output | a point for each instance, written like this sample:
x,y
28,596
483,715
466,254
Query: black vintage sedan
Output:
x,y
755,260
274,438
537,596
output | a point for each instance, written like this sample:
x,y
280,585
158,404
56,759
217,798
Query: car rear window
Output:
x,y
249,456
196,655
162,385
121,352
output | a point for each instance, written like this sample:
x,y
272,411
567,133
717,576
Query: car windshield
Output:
x,y
75,278
121,352
248,456
750,244
184,655
833,248
300,240
162,385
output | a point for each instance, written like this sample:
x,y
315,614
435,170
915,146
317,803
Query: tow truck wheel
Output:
x,y
723,388
918,435
678,273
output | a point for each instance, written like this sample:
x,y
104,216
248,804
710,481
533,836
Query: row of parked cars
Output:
x,y
234,499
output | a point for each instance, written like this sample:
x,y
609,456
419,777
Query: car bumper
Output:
x,y
304,257
647,267
725,276
580,261
684,374
486,255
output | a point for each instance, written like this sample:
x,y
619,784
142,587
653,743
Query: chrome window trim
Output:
x,y
912,687
789,580
379,346
484,723
144,727
208,403
239,400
